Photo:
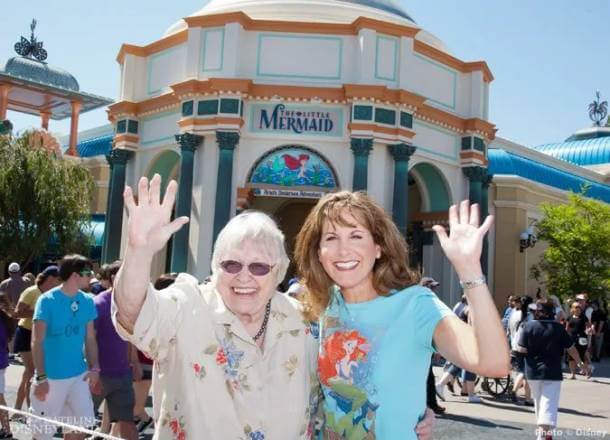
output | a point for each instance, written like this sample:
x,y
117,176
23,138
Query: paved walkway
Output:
x,y
584,412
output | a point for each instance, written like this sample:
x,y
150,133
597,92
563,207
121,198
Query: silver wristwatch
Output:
x,y
473,283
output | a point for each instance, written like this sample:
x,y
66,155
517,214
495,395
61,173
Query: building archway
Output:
x,y
167,165
429,200
286,183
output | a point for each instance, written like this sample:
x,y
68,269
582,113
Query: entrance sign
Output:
x,y
297,120
293,166
293,194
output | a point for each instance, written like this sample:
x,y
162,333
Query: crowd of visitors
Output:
x,y
93,343
546,337
48,326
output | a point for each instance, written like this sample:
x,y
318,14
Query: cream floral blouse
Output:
x,y
212,381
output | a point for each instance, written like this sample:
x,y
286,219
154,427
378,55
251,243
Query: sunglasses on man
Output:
x,y
257,269
86,273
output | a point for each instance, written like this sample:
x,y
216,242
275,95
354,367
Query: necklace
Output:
x,y
265,321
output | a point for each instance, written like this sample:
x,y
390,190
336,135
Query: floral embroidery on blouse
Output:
x,y
199,370
259,434
291,365
176,424
229,358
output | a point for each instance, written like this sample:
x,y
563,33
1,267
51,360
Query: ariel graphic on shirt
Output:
x,y
343,372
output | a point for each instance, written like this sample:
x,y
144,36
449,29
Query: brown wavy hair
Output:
x,y
391,270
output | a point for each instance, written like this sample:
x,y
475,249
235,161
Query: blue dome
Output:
x,y
384,5
587,147
98,146
505,162
41,73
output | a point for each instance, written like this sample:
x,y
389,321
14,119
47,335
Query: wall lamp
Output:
x,y
527,239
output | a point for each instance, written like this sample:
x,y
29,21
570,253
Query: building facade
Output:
x,y
270,105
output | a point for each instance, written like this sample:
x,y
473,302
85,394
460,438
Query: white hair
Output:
x,y
259,228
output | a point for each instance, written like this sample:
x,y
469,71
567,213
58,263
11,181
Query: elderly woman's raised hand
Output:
x,y
149,226
465,241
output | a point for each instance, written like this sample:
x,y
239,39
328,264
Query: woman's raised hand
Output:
x,y
149,226
464,243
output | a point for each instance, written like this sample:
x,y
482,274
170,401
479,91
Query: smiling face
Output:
x,y
348,253
244,294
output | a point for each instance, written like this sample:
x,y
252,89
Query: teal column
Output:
x,y
114,215
484,213
476,175
105,241
361,149
400,199
180,241
227,140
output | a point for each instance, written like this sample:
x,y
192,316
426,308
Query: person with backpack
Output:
x,y
517,320
543,341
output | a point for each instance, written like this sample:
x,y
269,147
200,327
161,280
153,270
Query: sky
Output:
x,y
548,57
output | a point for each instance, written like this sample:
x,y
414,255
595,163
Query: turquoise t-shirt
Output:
x,y
373,363
66,318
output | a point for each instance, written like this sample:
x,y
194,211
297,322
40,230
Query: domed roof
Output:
x,y
314,11
39,72
590,146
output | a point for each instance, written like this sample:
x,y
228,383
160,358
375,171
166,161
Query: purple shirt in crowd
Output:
x,y
113,351
3,346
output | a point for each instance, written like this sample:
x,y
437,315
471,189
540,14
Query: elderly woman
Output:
x,y
236,360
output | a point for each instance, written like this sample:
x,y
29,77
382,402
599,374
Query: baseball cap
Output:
x,y
579,296
429,282
51,271
14,267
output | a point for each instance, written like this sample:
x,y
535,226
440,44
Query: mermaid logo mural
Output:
x,y
343,368
293,166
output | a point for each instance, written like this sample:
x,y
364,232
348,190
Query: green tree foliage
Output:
x,y
41,197
578,256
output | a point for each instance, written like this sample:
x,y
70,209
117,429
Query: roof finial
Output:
x,y
598,110
31,48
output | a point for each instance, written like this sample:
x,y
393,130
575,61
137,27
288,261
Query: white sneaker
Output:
x,y
440,391
474,399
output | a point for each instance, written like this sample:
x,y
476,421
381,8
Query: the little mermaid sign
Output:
x,y
297,120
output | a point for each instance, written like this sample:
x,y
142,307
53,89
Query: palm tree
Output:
x,y
598,110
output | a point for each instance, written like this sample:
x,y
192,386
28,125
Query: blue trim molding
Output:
x,y
504,162
259,68
394,60
204,48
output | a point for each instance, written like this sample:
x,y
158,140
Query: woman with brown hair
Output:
x,y
378,326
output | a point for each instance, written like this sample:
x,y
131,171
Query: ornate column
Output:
x,y
180,243
227,140
400,199
4,89
44,120
117,159
475,176
484,213
76,106
110,161
361,149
